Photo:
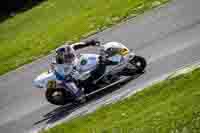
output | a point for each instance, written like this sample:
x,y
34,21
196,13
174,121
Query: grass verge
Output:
x,y
34,33
171,106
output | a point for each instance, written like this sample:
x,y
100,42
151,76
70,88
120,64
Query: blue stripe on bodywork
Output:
x,y
59,76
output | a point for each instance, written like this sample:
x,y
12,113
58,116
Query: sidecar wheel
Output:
x,y
57,96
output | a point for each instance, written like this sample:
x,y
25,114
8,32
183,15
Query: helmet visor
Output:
x,y
69,58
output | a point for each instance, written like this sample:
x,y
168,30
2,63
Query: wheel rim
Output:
x,y
138,64
57,95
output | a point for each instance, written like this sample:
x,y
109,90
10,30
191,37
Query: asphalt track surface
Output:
x,y
168,37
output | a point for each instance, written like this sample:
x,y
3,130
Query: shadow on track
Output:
x,y
63,111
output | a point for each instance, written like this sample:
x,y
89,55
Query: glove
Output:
x,y
52,68
92,42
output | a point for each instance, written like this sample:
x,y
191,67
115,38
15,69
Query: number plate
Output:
x,y
51,84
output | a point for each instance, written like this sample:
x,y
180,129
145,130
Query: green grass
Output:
x,y
171,106
34,33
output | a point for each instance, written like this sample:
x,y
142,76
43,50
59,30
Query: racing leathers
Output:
x,y
66,71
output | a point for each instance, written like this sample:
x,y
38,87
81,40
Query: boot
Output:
x,y
81,98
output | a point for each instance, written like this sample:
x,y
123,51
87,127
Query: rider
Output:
x,y
65,63
111,55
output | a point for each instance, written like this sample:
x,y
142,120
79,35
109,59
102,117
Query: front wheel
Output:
x,y
137,66
139,63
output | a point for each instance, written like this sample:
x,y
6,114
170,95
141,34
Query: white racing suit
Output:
x,y
68,72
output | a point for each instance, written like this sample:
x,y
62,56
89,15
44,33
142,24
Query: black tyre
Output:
x,y
58,96
140,63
